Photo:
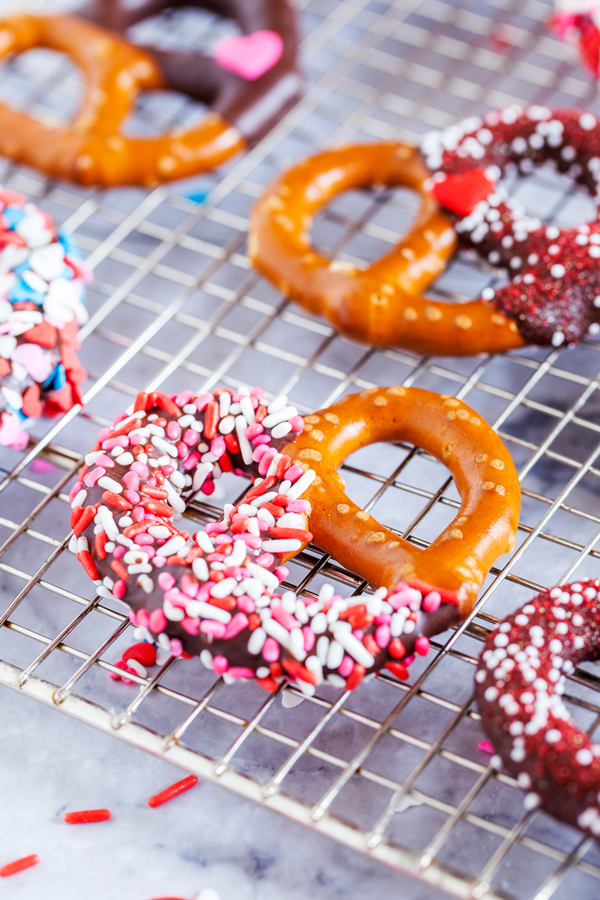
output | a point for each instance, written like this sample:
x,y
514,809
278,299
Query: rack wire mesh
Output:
x,y
393,770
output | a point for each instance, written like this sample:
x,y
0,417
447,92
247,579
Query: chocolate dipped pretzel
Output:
x,y
251,80
42,305
519,685
217,593
555,283
92,149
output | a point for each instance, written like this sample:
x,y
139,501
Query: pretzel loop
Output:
x,y
92,149
382,304
461,556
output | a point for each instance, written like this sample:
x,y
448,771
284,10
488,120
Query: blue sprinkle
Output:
x,y
21,292
16,412
23,267
60,377
198,196
68,242
13,215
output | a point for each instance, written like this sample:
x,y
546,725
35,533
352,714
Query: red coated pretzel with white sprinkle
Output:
x,y
217,593
554,294
519,684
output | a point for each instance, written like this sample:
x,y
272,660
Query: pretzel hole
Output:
x,y
157,112
554,197
361,225
402,506
44,83
186,28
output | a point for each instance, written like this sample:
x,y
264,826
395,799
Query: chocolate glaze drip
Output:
x,y
253,107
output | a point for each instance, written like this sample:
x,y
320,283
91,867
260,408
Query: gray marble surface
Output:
x,y
206,838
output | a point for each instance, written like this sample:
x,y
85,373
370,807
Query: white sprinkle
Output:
x,y
282,415
108,522
491,694
172,546
532,801
200,475
288,545
199,609
277,403
247,410
227,424
109,484
302,484
488,293
257,639
322,649
587,121
277,631
553,735
223,588
557,270
558,338
245,448
263,575
354,647
164,446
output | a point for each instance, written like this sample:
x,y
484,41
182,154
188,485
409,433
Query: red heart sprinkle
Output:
x,y
4,367
143,653
462,193
43,334
31,402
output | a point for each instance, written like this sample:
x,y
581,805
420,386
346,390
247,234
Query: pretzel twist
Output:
x,y
382,304
92,148
217,594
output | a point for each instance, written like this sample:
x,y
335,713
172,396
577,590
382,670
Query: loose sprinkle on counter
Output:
x,y
173,791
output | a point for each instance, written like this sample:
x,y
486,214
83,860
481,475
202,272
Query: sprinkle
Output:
x,y
26,862
84,816
173,791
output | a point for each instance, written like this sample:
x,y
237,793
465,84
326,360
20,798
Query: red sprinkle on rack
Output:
x,y
19,865
83,816
178,788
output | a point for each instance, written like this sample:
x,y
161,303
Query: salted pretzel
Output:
x,y
552,297
384,303
250,79
519,684
92,149
217,593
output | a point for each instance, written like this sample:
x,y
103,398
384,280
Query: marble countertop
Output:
x,y
206,838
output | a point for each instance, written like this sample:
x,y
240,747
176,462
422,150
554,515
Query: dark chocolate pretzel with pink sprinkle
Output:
x,y
554,294
218,593
519,685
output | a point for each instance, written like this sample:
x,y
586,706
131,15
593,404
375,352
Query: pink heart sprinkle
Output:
x,y
486,746
38,363
250,55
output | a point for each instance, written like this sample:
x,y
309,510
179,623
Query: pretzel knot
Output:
x,y
218,593
92,149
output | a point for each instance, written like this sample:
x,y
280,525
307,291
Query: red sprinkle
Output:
x,y
19,865
86,815
211,420
178,788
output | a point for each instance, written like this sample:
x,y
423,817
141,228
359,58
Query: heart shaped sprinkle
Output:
x,y
462,193
249,55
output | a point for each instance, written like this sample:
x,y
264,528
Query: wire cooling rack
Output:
x,y
393,770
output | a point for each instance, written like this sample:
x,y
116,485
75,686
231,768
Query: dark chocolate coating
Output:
x,y
253,107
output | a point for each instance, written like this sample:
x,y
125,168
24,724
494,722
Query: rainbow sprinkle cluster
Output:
x,y
42,294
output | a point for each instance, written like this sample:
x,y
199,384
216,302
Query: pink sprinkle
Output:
x,y
215,528
182,449
486,746
166,580
167,470
133,618
237,624
160,561
432,601
284,618
202,401
192,626
263,525
241,672
92,477
103,433
189,586
220,664
246,604
383,619
132,496
131,480
293,473
250,540
138,513
119,418
261,439
176,647
309,638
119,589
253,431
404,598
266,460
192,461
140,469
217,629
409,660
158,620
281,572
135,438
223,539
382,636
297,506
297,423
119,551
422,645
190,437
120,441
106,461
260,451
346,666
257,392
265,560
184,397
75,490
176,598
41,466
143,617
143,539
217,447
270,650
359,634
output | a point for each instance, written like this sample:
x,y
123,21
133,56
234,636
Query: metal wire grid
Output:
x,y
394,770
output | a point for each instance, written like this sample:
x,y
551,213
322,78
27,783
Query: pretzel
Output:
x,y
218,593
519,684
91,149
553,294
382,304
251,79
42,303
